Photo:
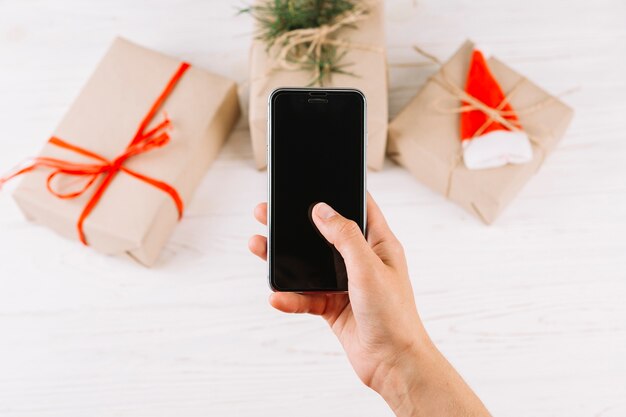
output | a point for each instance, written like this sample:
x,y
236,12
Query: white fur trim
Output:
x,y
497,148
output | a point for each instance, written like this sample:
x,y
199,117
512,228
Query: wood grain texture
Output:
x,y
531,310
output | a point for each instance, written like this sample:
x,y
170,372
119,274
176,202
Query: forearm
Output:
x,y
421,382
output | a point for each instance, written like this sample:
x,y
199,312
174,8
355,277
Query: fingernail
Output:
x,y
325,211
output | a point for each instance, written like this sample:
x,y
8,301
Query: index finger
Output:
x,y
260,213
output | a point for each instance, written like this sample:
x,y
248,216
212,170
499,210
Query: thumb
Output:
x,y
343,233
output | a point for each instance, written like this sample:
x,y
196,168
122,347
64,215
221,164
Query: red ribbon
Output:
x,y
143,141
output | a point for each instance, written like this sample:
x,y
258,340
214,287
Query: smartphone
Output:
x,y
316,153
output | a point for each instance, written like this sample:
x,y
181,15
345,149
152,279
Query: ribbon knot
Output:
x,y
298,46
144,141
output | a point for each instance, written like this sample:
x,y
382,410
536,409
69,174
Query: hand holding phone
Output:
x,y
377,323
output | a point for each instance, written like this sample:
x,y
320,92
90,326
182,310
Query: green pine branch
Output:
x,y
277,17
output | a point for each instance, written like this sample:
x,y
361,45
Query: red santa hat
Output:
x,y
487,143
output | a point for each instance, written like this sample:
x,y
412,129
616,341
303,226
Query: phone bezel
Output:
x,y
363,226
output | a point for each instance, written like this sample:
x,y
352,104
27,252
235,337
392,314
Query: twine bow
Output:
x,y
144,140
470,103
291,45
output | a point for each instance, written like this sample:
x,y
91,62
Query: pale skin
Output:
x,y
377,322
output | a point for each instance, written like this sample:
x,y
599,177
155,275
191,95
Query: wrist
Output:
x,y
419,381
401,378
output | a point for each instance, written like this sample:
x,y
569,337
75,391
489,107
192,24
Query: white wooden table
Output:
x,y
531,310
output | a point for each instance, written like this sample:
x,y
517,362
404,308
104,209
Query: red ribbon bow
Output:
x,y
143,141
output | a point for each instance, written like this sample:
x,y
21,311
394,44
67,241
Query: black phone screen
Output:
x,y
316,154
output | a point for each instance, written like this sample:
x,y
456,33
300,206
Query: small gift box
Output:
x,y
357,39
425,136
130,152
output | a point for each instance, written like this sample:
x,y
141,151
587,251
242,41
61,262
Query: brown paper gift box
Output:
x,y
133,217
370,76
426,140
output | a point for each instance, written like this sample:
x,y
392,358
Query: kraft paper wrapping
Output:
x,y
133,217
426,141
369,67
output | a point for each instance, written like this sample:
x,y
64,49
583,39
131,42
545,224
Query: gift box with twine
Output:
x,y
424,137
